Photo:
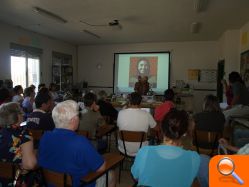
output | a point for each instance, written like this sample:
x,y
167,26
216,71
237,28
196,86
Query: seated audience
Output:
x,y
53,91
240,102
164,108
240,151
40,118
16,143
29,98
33,87
167,164
42,85
62,150
91,118
134,119
106,109
17,97
5,95
43,90
211,118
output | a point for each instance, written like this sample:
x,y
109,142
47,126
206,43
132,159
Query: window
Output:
x,y
25,65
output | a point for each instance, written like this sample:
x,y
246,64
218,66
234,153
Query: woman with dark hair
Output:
x,y
143,67
168,164
16,143
18,91
240,102
29,99
211,118
106,109
53,91
5,95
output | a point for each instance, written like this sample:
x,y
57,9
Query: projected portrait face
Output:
x,y
143,67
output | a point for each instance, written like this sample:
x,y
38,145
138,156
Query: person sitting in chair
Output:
x,y
134,119
169,164
62,150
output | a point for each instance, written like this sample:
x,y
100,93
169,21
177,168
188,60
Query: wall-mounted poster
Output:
x,y
208,75
244,67
193,74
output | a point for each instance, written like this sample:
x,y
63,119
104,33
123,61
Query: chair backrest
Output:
x,y
36,134
55,178
7,170
132,136
206,140
83,133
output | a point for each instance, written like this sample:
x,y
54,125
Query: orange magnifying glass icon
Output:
x,y
226,167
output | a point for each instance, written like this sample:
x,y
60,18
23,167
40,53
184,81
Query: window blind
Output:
x,y
22,51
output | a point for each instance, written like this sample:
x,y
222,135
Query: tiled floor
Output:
x,y
126,178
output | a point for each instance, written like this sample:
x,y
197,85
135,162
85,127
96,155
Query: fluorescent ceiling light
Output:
x,y
50,15
114,24
92,34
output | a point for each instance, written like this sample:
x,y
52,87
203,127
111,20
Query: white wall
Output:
x,y
228,47
10,34
185,55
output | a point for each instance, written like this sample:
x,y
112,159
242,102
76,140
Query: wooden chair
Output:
x,y
56,179
130,136
7,170
36,134
206,142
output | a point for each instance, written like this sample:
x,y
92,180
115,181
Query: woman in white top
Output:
x,y
53,91
17,97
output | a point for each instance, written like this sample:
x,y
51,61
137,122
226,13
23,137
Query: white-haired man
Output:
x,y
62,150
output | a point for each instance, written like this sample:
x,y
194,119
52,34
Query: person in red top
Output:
x,y
228,91
164,108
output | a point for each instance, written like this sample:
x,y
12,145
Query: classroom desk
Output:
x,y
151,105
112,160
106,130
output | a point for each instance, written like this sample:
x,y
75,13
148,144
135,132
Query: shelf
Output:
x,y
62,70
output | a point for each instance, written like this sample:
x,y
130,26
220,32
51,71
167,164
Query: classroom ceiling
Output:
x,y
139,20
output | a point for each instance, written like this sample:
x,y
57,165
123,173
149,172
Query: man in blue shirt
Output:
x,y
62,150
